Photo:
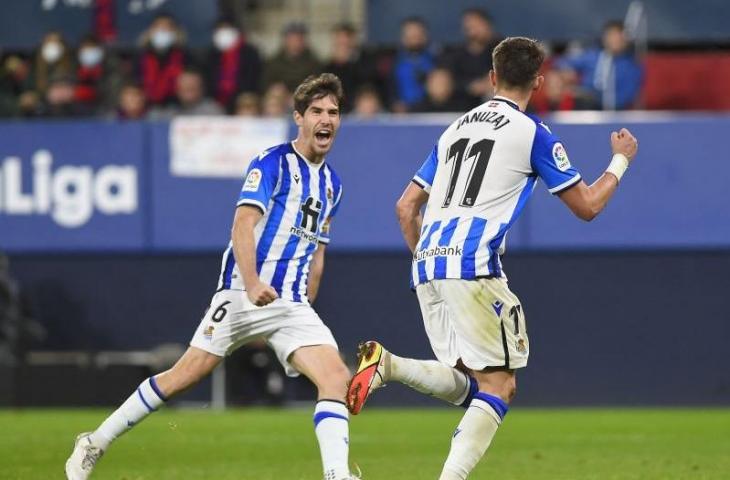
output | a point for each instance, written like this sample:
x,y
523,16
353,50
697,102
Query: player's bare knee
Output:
x,y
334,383
187,372
511,390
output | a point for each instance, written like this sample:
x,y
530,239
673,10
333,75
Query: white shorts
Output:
x,y
478,321
232,320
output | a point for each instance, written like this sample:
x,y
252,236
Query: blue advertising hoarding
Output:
x,y
73,186
112,186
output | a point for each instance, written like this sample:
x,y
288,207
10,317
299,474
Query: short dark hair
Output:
x,y
611,24
517,61
414,19
478,12
345,27
315,87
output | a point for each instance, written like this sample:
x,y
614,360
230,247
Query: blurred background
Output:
x,y
127,125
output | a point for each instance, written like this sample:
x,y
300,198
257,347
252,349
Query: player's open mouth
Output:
x,y
323,135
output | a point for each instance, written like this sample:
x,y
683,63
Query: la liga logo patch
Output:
x,y
253,180
560,157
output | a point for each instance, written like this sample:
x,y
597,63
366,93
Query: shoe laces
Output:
x,y
93,454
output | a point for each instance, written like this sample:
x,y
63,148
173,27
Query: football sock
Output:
x,y
473,435
145,400
331,426
432,378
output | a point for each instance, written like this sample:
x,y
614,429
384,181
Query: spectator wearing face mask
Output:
x,y
53,58
234,65
162,60
98,79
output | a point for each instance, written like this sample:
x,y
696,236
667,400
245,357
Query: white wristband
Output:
x,y
619,164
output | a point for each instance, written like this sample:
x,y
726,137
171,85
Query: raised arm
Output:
x,y
408,209
586,202
244,250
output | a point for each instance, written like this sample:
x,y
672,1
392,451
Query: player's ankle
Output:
x,y
100,440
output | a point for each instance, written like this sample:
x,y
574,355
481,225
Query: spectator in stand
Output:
x,y
162,60
349,62
367,103
470,63
131,103
60,99
14,72
98,77
277,101
247,105
413,62
294,61
191,99
556,94
52,59
233,66
440,94
610,77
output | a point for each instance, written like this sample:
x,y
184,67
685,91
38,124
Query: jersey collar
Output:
x,y
509,102
316,166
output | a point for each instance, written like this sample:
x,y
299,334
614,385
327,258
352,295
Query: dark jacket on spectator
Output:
x,y
158,73
360,70
232,72
290,71
454,104
97,87
466,67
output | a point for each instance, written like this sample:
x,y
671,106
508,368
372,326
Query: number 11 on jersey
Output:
x,y
480,153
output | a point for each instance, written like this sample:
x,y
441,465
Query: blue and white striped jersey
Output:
x,y
479,177
298,199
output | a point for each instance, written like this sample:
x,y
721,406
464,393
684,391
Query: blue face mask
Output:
x,y
90,56
162,39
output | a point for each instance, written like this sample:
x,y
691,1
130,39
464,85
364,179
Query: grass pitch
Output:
x,y
394,444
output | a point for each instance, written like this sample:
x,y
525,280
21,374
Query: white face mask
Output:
x,y
52,51
162,39
224,38
90,56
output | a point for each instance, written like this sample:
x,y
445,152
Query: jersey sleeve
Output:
x,y
261,179
424,176
324,232
550,161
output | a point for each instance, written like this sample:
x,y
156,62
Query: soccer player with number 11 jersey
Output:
x,y
474,185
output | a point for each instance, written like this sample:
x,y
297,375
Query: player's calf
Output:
x,y
377,366
149,396
191,368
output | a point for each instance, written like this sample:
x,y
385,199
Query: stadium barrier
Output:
x,y
153,187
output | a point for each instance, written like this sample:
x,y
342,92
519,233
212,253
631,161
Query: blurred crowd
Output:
x,y
162,78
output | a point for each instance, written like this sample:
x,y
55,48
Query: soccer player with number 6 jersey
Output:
x,y
270,273
474,184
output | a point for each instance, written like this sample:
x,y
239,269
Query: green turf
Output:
x,y
388,444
